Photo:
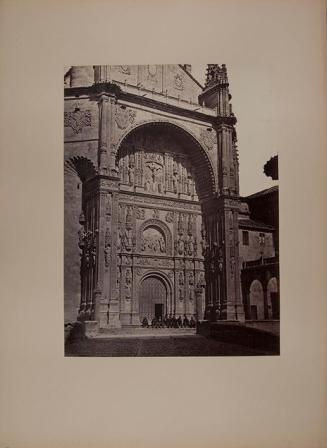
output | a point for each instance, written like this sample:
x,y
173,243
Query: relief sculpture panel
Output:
x,y
153,241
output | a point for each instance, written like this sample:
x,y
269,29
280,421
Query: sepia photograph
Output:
x,y
163,254
163,224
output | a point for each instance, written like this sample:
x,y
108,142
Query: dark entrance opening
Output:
x,y
275,305
158,310
254,312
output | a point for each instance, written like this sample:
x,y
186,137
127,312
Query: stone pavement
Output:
x,y
168,345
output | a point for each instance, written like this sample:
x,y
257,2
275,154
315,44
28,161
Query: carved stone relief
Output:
x,y
142,164
179,81
140,213
153,241
107,247
78,119
124,117
208,138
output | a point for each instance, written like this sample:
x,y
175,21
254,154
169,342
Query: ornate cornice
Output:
x,y
115,90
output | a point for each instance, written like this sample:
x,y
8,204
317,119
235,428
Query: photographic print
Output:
x,y
163,254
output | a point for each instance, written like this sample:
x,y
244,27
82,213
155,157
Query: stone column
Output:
x,y
223,298
106,206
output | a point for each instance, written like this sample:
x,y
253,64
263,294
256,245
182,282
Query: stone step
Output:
x,y
144,332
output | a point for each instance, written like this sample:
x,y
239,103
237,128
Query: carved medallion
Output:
x,y
124,117
77,119
179,81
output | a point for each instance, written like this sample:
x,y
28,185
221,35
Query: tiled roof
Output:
x,y
251,224
263,192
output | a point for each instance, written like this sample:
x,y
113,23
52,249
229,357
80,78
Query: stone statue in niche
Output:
x,y
190,245
162,245
119,242
191,285
127,241
201,281
108,204
129,218
180,246
128,284
131,175
175,183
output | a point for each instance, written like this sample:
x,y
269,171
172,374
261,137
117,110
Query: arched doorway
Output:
x,y
153,298
257,309
273,298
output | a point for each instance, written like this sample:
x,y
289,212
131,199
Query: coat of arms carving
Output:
x,y
125,69
179,81
124,117
208,138
77,120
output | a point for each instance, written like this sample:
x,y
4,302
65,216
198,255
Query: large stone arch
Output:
x,y
162,227
200,159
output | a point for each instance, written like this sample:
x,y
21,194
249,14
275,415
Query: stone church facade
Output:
x,y
151,196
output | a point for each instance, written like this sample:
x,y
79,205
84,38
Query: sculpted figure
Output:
x,y
131,175
175,183
180,246
190,245
162,245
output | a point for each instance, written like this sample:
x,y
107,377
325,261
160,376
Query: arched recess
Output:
x,y
150,294
162,227
204,170
81,166
257,308
273,298
77,171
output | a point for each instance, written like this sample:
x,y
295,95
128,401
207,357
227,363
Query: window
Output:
x,y
245,237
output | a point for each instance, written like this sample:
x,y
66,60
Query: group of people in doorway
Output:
x,y
169,322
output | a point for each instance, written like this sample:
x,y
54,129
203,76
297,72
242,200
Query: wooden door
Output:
x,y
152,292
